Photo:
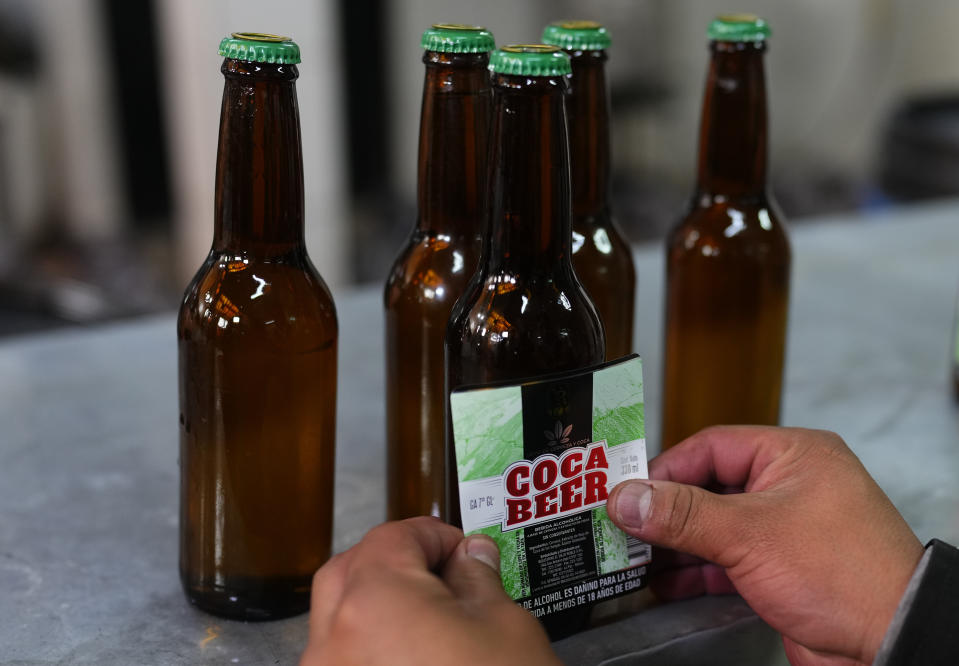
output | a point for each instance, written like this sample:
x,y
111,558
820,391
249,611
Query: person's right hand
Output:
x,y
807,538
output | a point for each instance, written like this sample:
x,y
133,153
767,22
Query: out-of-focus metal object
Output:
x,y
919,149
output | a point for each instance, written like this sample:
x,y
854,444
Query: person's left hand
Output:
x,y
417,592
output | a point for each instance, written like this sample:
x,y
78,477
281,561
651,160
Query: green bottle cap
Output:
x,y
738,28
260,47
530,60
577,35
457,38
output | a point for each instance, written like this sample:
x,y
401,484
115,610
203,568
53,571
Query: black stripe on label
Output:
x,y
558,414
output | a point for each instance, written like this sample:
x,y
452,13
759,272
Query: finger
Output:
x,y
728,455
416,543
473,574
325,596
685,518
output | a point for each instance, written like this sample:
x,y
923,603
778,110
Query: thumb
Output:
x,y
681,517
472,572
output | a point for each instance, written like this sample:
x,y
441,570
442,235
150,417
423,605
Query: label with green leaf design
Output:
x,y
536,462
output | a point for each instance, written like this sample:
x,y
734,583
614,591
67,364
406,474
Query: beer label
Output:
x,y
536,462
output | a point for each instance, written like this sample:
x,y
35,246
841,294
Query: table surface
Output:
x,y
88,472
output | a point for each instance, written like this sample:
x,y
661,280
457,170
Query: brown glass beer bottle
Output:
x,y
257,354
727,263
601,256
524,313
432,270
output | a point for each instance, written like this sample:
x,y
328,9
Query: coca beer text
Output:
x,y
549,486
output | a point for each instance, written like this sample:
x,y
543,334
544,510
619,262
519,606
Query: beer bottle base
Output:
x,y
252,599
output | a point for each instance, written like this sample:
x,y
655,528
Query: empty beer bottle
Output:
x,y
727,263
438,260
601,256
257,352
524,313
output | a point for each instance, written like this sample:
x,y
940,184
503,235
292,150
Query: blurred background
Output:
x,y
109,112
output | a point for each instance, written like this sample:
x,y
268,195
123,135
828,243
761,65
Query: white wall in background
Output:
x,y
190,32
85,187
23,204
21,187
924,45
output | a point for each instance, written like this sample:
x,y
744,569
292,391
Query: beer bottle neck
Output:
x,y
732,136
259,165
529,177
454,128
588,113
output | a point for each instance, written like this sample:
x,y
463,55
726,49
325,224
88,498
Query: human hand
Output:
x,y
417,592
810,541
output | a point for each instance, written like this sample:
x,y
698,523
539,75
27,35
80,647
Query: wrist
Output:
x,y
923,628
891,592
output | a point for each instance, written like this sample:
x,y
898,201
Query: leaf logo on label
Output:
x,y
559,434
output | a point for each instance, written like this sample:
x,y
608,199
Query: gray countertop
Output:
x,y
88,447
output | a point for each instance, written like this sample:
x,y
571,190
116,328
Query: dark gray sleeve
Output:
x,y
925,628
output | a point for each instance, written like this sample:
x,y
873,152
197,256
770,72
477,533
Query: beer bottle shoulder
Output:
x,y
716,228
538,324
282,301
432,270
598,243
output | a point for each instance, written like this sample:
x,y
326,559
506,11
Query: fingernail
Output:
x,y
632,504
483,548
